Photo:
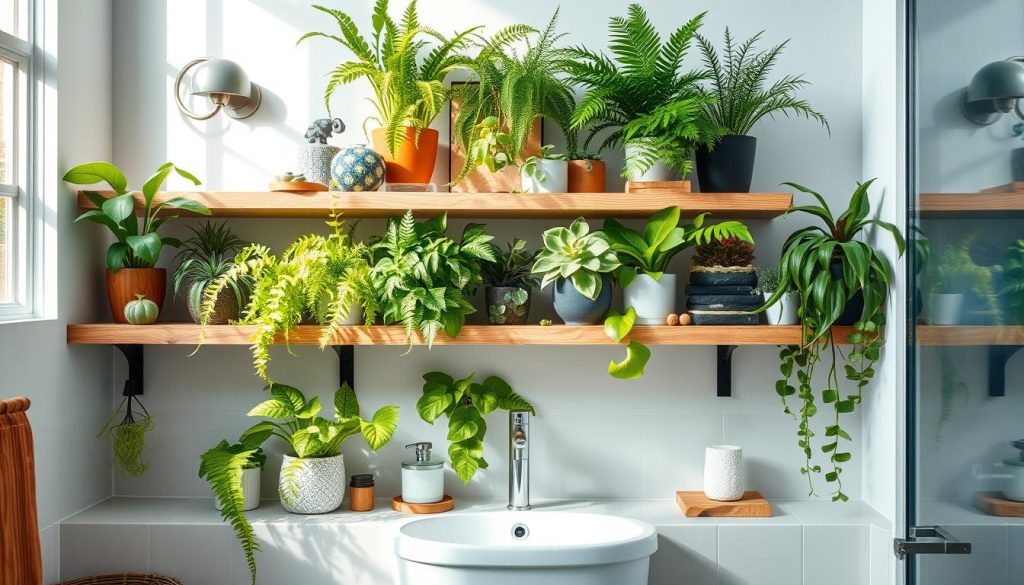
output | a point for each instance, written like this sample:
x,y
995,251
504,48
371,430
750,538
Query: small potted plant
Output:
x,y
132,258
742,97
586,172
579,263
509,284
785,310
724,262
547,172
647,287
204,257
953,275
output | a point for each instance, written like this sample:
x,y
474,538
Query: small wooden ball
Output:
x,y
685,319
672,319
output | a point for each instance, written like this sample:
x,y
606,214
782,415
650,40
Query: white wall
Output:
x,y
69,386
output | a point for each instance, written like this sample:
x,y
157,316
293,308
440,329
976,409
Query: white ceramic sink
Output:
x,y
534,548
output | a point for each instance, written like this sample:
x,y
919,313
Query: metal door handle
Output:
x,y
929,540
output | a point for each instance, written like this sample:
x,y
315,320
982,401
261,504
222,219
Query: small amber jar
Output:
x,y
361,492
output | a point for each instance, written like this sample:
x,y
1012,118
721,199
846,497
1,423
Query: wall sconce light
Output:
x,y
996,89
225,83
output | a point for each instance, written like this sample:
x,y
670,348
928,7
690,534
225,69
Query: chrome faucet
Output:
x,y
518,460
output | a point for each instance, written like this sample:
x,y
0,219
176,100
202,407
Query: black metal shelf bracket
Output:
x,y
998,355
136,369
346,365
725,370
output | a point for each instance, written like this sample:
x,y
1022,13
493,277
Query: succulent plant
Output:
x,y
576,254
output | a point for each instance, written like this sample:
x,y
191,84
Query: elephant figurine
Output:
x,y
320,130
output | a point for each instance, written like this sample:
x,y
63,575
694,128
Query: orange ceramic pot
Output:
x,y
584,180
414,162
123,285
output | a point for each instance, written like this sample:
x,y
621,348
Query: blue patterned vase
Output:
x,y
357,168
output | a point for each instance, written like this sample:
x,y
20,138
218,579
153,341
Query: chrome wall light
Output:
x,y
225,83
996,89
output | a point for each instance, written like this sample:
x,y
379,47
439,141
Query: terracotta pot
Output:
x,y
123,285
582,180
413,163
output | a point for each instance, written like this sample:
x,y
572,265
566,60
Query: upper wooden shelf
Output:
x,y
970,335
188,334
479,205
995,202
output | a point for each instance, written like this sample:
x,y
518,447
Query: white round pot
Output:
x,y
659,171
319,484
1013,489
723,473
653,300
552,177
784,311
355,316
945,309
250,489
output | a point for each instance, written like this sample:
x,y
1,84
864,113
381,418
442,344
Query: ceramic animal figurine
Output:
x,y
320,130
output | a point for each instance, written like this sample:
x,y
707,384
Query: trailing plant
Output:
x,y
128,437
640,94
532,165
511,266
617,327
205,257
422,276
1011,282
137,245
662,238
738,82
465,403
730,251
807,258
514,80
407,79
322,277
577,255
222,468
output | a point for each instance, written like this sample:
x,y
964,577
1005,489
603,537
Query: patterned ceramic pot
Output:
x,y
576,309
318,484
723,473
507,305
315,162
357,168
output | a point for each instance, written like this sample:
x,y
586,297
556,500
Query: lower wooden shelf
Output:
x,y
970,335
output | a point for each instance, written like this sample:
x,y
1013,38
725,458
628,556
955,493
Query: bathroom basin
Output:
x,y
535,548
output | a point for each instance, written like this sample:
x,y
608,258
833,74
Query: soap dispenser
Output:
x,y
422,476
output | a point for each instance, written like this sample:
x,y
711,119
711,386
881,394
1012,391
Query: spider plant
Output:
x,y
205,257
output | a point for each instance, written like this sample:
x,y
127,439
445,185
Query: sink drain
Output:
x,y
520,531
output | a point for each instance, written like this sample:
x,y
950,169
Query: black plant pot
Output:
x,y
855,306
728,168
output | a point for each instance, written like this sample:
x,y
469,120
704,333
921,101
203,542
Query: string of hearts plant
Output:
x,y
833,272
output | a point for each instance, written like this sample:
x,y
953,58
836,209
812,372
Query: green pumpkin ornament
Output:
x,y
141,311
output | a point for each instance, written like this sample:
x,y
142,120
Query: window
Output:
x,y
17,256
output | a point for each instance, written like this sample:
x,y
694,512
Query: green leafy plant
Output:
x,y
323,277
532,165
739,86
806,264
222,468
730,251
407,80
617,327
955,271
465,403
128,437
640,95
205,257
576,254
138,245
1011,280
515,79
511,266
422,276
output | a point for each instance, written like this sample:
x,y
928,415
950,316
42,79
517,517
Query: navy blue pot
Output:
x,y
855,306
576,309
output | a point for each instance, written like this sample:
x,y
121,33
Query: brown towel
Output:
x,y
20,557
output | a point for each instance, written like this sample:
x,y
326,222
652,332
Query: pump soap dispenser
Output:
x,y
422,476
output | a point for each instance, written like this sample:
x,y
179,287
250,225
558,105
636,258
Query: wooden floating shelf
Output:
x,y
188,334
983,204
478,205
964,335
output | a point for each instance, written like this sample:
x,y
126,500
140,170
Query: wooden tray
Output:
x,y
297,186
994,504
399,505
751,505
660,187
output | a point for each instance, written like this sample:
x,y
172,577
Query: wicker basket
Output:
x,y
123,579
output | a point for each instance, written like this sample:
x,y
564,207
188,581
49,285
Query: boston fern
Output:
x,y
806,265
407,80
421,276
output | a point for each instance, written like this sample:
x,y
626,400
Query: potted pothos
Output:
x,y
579,263
641,93
407,81
205,256
835,274
132,258
741,96
509,284
547,172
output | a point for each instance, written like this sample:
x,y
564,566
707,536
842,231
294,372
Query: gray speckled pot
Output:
x,y
576,309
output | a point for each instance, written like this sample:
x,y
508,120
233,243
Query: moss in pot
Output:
x,y
509,284
721,267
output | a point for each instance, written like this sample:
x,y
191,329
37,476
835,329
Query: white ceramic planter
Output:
x,y
1013,489
554,177
784,311
659,171
250,489
652,299
355,316
723,473
945,309
319,484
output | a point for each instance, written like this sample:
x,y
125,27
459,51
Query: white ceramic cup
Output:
x,y
723,473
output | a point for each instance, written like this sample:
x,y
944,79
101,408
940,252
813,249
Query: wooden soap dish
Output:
x,y
297,186
399,505
994,504
751,505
